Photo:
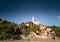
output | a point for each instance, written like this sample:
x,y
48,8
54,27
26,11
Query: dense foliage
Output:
x,y
8,30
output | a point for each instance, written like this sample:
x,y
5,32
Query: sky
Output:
x,y
46,12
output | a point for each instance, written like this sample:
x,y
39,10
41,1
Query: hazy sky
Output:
x,y
45,11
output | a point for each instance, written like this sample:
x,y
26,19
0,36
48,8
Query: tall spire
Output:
x,y
33,19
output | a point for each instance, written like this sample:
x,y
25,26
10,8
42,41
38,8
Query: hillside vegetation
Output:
x,y
56,29
10,30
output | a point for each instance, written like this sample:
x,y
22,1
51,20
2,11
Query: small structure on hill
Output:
x,y
37,23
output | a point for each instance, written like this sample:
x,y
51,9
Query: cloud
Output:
x,y
58,16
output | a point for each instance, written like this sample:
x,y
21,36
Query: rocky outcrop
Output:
x,y
44,33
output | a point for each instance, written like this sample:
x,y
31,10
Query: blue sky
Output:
x,y
45,11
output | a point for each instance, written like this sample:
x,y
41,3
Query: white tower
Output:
x,y
33,19
37,23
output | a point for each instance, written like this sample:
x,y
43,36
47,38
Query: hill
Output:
x,y
10,30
